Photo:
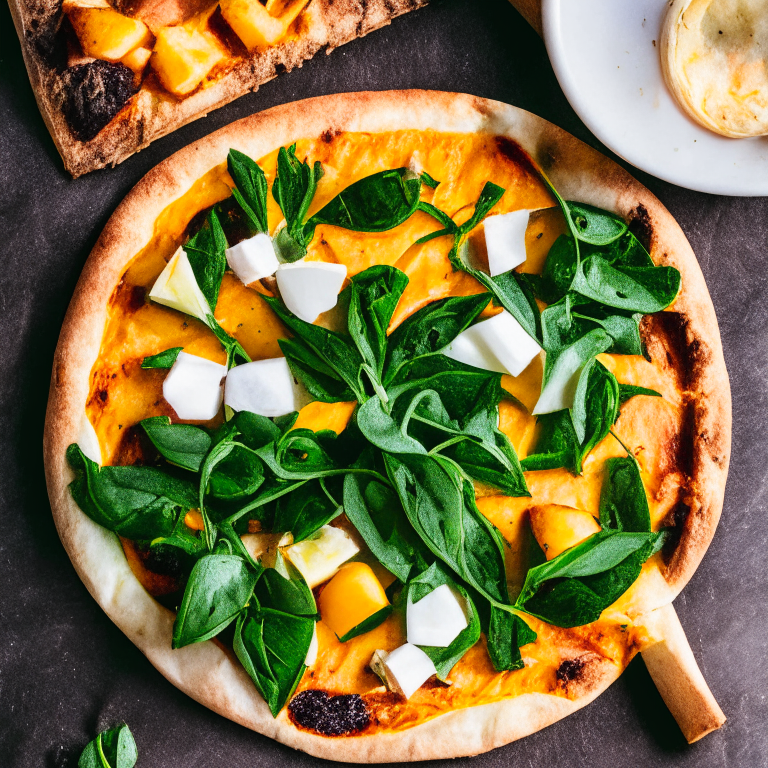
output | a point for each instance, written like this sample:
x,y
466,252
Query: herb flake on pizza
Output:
x,y
411,425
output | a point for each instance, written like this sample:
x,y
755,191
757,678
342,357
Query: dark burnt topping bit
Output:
x,y
95,93
329,715
569,671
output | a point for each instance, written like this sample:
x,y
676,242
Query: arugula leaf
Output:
x,y
293,190
440,505
206,254
375,511
335,351
431,329
284,586
373,297
376,203
135,502
164,359
218,589
636,289
595,226
181,444
623,503
304,513
113,748
506,634
445,659
628,391
250,189
272,646
373,621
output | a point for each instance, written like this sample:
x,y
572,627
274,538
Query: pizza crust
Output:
x,y
153,112
207,672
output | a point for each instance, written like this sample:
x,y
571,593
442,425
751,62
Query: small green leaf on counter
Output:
x,y
113,748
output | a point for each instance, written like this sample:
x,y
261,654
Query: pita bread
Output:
x,y
207,671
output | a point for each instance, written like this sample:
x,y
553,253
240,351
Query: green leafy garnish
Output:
x,y
113,748
250,189
164,359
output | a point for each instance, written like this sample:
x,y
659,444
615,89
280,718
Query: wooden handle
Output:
x,y
530,10
678,678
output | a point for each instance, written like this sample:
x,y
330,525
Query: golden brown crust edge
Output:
x,y
206,672
325,24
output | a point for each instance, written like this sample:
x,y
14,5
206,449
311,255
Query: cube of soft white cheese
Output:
x,y
560,391
405,670
498,344
314,646
319,557
265,387
177,288
310,288
253,259
88,440
505,241
193,387
436,619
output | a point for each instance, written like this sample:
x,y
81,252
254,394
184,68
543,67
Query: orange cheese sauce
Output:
x,y
122,393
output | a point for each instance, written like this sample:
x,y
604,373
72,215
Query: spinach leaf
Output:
x,y
164,359
575,587
250,189
559,269
269,492
336,352
206,254
628,391
272,646
430,329
376,203
255,431
235,351
218,589
304,513
181,444
135,502
623,328
375,511
445,659
373,621
623,503
594,225
440,505
284,586
635,289
557,445
595,407
373,296
506,634
321,381
113,748
293,190
298,455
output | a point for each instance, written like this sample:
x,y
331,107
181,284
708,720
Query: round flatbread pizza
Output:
x,y
389,424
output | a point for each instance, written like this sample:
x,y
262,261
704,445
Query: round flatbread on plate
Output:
x,y
677,428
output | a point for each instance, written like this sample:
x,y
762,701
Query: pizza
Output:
x,y
389,425
111,77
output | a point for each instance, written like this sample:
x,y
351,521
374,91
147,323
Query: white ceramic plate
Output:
x,y
606,57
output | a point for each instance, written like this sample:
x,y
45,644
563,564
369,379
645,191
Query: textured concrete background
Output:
x,y
66,671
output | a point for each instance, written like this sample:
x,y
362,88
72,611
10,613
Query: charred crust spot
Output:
x,y
47,36
640,226
516,154
136,298
674,520
328,136
318,711
94,94
570,670
103,395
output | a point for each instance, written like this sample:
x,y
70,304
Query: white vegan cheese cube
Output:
x,y
406,669
498,344
320,556
193,387
313,648
253,259
436,619
505,241
265,387
310,288
177,288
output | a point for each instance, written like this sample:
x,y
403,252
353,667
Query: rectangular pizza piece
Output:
x,y
111,76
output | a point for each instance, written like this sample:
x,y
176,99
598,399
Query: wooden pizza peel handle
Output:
x,y
678,678
530,10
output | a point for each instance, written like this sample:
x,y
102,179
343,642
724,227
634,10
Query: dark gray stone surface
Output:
x,y
66,671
